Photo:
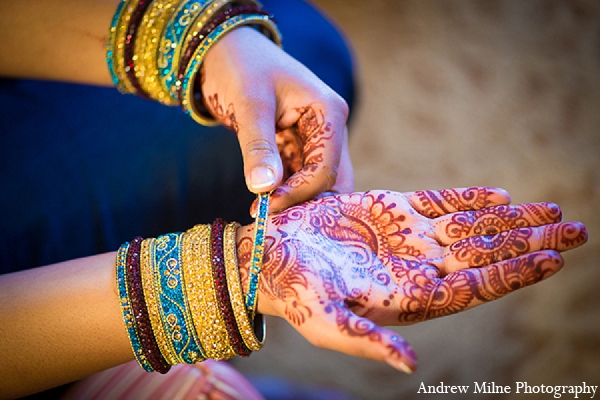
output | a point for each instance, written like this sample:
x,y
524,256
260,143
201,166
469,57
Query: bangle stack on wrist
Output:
x,y
182,299
155,48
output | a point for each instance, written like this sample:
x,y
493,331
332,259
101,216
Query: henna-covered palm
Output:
x,y
338,268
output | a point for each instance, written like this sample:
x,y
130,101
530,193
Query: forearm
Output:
x,y
60,40
60,323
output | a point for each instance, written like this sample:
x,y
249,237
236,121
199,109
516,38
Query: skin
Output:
x,y
270,91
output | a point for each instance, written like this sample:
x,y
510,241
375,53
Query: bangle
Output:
x,y
185,81
175,316
115,45
146,48
128,317
153,301
258,247
203,298
139,309
128,48
173,35
246,330
218,263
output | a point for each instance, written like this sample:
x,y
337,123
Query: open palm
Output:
x,y
340,267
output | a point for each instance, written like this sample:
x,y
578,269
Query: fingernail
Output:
x,y
399,364
262,177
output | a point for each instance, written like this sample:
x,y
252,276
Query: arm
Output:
x,y
60,323
56,40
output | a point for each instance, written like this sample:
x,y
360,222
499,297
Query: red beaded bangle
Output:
x,y
218,263
141,319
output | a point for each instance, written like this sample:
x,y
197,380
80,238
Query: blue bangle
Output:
x,y
260,228
175,316
173,36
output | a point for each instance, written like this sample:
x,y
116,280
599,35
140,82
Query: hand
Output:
x,y
339,267
290,125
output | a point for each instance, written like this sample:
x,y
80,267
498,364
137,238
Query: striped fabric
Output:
x,y
207,380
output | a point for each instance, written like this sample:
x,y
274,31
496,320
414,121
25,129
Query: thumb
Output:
x,y
263,170
342,330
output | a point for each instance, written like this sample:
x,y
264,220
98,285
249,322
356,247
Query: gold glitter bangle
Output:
x,y
187,258
235,291
202,297
147,267
146,48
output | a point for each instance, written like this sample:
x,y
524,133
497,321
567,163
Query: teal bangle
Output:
x,y
260,228
175,316
110,43
128,316
172,39
185,86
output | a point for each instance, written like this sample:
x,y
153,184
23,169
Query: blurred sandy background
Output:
x,y
463,93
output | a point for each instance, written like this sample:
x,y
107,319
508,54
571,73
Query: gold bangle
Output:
x,y
146,48
187,281
235,291
202,297
147,267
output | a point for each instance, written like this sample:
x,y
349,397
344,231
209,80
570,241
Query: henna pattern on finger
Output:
x,y
478,251
493,220
314,132
290,150
467,288
564,236
435,203
499,280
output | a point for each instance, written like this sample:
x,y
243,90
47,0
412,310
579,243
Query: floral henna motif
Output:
x,y
467,288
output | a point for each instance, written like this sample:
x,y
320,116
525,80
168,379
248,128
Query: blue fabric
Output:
x,y
86,168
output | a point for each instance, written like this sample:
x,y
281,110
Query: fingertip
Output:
x,y
501,196
400,355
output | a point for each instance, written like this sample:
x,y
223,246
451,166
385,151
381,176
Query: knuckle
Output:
x,y
260,147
